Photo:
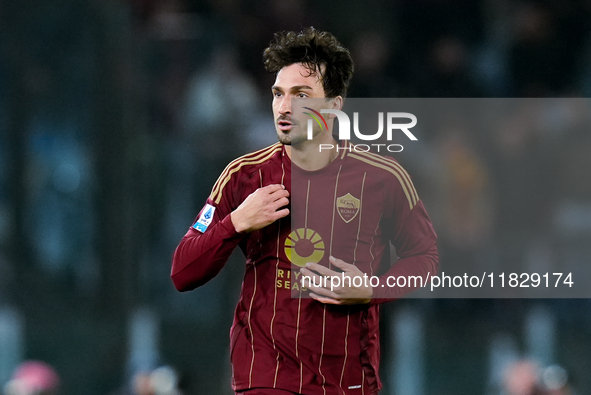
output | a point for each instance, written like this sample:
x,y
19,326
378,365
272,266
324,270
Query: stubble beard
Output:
x,y
290,139
295,136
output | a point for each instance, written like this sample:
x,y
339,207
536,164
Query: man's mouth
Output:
x,y
284,125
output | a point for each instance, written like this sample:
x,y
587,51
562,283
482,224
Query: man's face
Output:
x,y
294,81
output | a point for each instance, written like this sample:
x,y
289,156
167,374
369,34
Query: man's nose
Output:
x,y
285,105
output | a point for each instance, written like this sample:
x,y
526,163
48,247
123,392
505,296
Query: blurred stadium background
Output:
x,y
116,117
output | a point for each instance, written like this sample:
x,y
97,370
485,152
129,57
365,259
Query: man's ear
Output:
x,y
337,103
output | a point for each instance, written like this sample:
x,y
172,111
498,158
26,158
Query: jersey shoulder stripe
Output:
x,y
237,161
236,165
395,169
403,172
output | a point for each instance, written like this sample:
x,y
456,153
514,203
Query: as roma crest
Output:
x,y
348,207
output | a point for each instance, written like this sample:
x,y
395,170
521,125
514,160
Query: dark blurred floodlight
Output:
x,y
143,335
11,341
67,178
177,26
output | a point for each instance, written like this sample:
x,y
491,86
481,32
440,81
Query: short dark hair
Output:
x,y
319,52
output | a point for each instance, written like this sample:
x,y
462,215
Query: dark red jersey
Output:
x,y
351,209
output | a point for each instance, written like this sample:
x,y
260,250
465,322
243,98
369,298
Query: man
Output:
x,y
327,213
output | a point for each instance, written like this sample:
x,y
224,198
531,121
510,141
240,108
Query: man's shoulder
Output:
x,y
246,165
376,163
385,171
256,158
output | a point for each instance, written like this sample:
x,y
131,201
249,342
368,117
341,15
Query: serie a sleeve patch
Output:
x,y
205,218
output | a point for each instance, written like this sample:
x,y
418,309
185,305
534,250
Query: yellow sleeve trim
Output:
x,y
235,166
395,169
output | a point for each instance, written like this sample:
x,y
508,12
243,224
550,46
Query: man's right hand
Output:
x,y
261,208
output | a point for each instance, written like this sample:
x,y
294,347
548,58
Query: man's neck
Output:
x,y
309,157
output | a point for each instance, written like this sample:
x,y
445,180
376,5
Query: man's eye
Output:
x,y
276,94
302,95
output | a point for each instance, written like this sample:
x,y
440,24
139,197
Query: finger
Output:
x,y
323,291
280,214
312,278
324,299
321,269
273,188
279,193
319,284
280,202
340,263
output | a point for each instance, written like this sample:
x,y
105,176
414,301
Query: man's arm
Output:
x,y
201,254
199,257
415,241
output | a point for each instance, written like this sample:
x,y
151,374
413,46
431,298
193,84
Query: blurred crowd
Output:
x,y
526,377
33,377
520,377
